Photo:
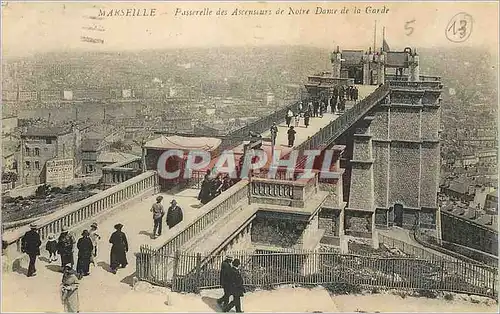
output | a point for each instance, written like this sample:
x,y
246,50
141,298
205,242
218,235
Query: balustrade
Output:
x,y
426,85
85,209
334,129
281,192
213,211
260,126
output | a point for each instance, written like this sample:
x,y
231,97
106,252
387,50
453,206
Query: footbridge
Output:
x,y
386,166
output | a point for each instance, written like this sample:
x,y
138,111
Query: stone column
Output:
x,y
439,234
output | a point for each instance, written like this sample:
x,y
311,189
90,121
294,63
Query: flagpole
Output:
x,y
383,38
375,37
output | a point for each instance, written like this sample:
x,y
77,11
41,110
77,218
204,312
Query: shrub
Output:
x,y
42,191
448,296
431,294
343,288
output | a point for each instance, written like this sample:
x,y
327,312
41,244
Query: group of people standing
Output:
x,y
211,187
340,95
64,246
174,215
232,284
87,253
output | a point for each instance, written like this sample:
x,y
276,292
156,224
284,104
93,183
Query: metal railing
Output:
x,y
337,127
330,268
260,126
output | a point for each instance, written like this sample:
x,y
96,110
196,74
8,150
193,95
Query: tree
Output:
x,y
42,191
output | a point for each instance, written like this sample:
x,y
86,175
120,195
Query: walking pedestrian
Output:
x,y
174,214
297,120
69,290
119,249
65,245
85,250
95,237
225,280
274,134
158,213
30,244
51,247
291,136
288,117
236,287
204,195
307,115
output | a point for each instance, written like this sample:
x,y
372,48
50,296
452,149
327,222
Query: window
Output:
x,y
27,151
37,165
28,165
37,151
48,141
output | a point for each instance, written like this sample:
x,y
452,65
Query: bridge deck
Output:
x,y
303,133
101,285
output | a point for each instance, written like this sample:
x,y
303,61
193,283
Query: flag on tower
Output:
x,y
385,46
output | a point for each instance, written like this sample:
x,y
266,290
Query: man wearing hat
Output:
x,y
174,214
225,280
158,213
65,246
30,244
119,249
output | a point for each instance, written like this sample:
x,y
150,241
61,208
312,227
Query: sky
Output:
x,y
29,28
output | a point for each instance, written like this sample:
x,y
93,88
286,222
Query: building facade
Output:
x,y
39,145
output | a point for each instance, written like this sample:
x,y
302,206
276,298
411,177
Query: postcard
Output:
x,y
280,156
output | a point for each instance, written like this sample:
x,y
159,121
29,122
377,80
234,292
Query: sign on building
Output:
x,y
68,95
60,172
126,93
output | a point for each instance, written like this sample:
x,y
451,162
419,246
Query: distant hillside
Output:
x,y
471,73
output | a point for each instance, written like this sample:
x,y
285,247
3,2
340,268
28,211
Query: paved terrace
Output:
x,y
101,289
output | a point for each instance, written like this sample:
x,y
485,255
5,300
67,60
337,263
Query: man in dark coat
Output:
x,y
174,214
85,250
30,244
225,282
65,245
204,195
291,136
236,288
119,249
307,116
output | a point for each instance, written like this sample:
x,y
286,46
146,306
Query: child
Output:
x,y
51,247
95,237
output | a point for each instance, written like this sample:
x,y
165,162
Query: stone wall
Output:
x,y
404,174
381,172
276,232
464,232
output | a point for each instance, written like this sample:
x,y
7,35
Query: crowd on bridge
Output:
x,y
213,186
315,108
64,246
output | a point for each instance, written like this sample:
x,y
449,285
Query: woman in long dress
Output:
x,y
85,250
69,290
119,249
